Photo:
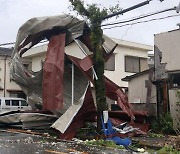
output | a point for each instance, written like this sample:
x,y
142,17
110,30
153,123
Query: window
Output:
x,y
143,64
175,80
27,65
17,94
15,102
24,103
7,102
132,64
135,64
110,64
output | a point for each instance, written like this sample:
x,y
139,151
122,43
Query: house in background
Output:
x,y
128,58
8,88
157,89
142,91
167,53
151,59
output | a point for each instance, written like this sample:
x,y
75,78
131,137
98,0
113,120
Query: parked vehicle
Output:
x,y
11,104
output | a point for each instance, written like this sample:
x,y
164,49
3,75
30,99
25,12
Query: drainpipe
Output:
x,y
5,76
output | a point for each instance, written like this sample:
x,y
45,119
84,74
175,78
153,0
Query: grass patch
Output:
x,y
155,135
104,143
168,150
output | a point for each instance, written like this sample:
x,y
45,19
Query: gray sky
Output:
x,y
13,13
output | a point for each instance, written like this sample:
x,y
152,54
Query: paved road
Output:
x,y
20,143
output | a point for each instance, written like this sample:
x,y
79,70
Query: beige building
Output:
x,y
8,88
167,44
142,92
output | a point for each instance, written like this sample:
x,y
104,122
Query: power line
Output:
x,y
120,22
136,18
134,23
10,43
4,44
140,17
128,9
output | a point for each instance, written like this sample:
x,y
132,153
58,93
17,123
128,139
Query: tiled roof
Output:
x,y
6,51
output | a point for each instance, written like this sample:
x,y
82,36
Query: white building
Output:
x,y
129,58
8,88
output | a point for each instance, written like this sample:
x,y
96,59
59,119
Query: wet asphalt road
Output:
x,y
20,143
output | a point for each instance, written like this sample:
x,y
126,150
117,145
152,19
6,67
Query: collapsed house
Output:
x,y
51,87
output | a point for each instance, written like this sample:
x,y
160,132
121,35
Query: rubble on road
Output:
x,y
27,120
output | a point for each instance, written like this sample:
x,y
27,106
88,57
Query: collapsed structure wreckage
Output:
x,y
51,87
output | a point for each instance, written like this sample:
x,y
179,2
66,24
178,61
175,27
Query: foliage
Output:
x,y
104,143
93,11
154,135
168,150
164,125
178,96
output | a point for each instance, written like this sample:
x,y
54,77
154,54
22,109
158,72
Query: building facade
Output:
x,y
168,46
142,92
8,88
129,58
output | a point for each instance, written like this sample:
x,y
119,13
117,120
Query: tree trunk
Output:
x,y
96,41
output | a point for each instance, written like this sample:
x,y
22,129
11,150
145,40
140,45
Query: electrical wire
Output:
x,y
139,17
136,18
125,21
4,44
145,21
12,43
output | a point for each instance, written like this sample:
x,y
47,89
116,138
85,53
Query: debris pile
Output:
x,y
64,84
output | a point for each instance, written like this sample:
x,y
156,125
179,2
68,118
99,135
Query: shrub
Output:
x,y
168,150
164,125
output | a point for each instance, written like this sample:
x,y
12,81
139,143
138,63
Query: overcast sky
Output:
x,y
13,13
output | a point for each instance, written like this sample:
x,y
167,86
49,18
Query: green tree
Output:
x,y
95,16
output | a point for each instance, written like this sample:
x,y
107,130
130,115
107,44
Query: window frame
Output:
x,y
9,102
129,71
13,102
140,68
173,84
110,65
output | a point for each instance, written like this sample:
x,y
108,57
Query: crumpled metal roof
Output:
x,y
39,28
53,29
